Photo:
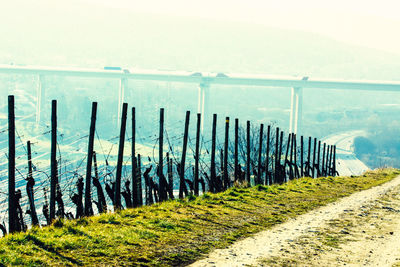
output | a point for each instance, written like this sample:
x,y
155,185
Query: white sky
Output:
x,y
371,23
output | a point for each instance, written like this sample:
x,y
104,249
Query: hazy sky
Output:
x,y
372,23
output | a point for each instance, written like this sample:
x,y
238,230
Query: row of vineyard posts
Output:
x,y
284,166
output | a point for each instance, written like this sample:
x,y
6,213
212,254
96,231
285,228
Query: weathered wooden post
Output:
x,y
330,161
117,196
323,161
147,189
280,146
318,158
221,160
267,174
170,177
226,177
286,156
29,187
135,180
276,155
101,200
314,157
88,202
139,181
260,146
236,149
160,168
182,186
297,174
291,158
197,156
53,160
281,170
12,201
302,155
212,167
327,161
77,198
248,161
334,161
309,157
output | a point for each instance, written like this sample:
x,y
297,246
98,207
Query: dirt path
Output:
x,y
362,229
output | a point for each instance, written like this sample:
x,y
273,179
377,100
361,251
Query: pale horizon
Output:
x,y
372,24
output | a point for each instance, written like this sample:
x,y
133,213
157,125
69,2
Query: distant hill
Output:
x,y
65,34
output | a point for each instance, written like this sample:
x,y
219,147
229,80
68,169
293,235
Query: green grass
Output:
x,y
178,232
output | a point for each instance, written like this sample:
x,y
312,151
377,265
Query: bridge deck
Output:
x,y
211,78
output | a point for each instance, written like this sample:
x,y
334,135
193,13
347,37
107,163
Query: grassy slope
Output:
x,y
177,232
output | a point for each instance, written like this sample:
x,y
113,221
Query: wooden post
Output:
x,y
309,157
197,156
170,177
135,180
88,202
276,155
286,156
226,177
236,149
281,177
212,167
302,155
323,161
318,158
135,183
29,187
221,157
160,169
101,200
280,146
296,174
248,153
78,198
267,175
53,160
29,151
291,158
182,185
117,196
260,146
327,161
139,181
330,161
147,188
287,149
334,161
314,157
12,202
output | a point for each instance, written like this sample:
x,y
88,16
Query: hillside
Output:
x,y
66,34
178,232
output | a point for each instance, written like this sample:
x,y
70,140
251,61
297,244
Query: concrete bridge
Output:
x,y
205,82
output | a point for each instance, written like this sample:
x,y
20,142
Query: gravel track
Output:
x,y
335,234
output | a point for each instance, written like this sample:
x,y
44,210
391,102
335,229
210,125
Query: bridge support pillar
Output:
x,y
203,104
296,110
39,98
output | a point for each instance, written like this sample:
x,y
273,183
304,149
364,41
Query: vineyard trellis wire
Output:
x,y
65,189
